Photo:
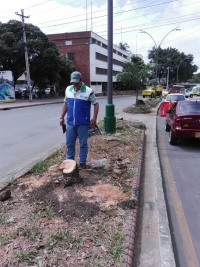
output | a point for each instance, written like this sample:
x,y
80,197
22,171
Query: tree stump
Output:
x,y
70,171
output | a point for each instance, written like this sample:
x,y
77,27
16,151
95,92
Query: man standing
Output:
x,y
77,104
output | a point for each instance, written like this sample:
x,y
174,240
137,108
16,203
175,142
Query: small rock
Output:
x,y
5,195
96,164
119,117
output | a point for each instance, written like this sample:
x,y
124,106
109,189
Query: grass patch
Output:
x,y
43,209
60,238
7,238
27,256
116,247
43,165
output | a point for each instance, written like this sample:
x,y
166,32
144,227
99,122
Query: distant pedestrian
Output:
x,y
77,104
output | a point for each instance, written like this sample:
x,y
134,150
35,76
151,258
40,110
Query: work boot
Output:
x,y
82,166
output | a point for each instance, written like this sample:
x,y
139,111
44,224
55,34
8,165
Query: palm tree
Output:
x,y
133,75
123,46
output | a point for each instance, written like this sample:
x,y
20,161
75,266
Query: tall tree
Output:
x,y
178,63
132,76
43,55
123,46
138,61
50,68
196,78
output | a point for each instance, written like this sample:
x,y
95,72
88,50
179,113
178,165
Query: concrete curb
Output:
x,y
166,250
28,105
131,220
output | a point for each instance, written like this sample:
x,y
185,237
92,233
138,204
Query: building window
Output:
x,y
101,57
68,42
70,56
101,71
105,71
105,59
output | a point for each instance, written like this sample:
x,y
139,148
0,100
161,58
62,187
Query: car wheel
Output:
x,y
167,127
191,96
172,138
143,96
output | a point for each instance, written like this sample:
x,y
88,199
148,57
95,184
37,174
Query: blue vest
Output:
x,y
79,104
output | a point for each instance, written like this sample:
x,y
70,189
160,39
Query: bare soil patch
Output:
x,y
143,106
44,224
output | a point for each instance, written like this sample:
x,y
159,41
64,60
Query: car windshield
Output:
x,y
175,97
189,107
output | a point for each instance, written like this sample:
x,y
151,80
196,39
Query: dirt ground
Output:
x,y
44,224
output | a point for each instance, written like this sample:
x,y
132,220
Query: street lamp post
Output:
x,y
167,77
177,67
157,47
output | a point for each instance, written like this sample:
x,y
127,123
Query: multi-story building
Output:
x,y
88,52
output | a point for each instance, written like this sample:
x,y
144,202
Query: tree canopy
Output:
x,y
138,61
47,66
196,78
123,46
178,63
132,76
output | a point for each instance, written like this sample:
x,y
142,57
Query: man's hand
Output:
x,y
61,121
63,112
93,122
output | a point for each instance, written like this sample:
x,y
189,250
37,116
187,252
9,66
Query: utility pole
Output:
x,y
26,53
110,119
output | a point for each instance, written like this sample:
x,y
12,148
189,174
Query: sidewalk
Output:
x,y
152,246
25,102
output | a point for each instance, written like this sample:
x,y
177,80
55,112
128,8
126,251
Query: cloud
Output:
x,y
158,18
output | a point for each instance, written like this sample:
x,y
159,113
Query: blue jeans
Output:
x,y
71,135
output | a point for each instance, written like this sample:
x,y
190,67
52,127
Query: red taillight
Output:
x,y
178,122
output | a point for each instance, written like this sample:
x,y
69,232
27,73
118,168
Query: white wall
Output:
x,y
94,63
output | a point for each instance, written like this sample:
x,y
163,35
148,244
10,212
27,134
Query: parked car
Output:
x,y
165,92
196,90
189,93
47,90
177,88
152,91
175,97
183,120
149,91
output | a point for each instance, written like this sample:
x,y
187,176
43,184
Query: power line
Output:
x,y
146,15
95,11
104,15
38,4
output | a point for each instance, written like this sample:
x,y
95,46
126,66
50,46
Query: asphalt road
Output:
x,y
32,133
180,166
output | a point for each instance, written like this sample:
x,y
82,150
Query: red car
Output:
x,y
183,120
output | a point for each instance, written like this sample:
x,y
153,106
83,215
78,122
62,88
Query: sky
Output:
x,y
158,19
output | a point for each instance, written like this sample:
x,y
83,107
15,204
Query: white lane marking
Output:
x,y
57,118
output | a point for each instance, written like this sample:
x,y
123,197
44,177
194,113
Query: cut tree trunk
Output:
x,y
70,170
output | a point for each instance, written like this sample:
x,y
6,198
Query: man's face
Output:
x,y
77,86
